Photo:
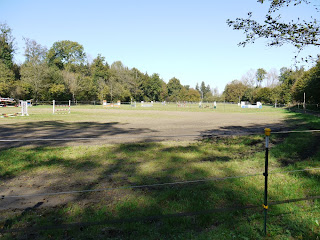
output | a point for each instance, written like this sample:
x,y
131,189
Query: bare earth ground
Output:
x,y
118,126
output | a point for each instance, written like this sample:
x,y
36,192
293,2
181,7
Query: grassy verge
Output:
x,y
93,167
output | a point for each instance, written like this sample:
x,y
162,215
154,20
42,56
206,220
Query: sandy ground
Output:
x,y
131,126
121,126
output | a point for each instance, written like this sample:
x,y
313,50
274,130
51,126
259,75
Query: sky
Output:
x,y
189,40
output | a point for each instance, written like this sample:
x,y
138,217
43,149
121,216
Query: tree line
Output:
x,y
291,86
63,72
277,30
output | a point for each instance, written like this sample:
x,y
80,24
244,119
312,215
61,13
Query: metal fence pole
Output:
x,y
267,132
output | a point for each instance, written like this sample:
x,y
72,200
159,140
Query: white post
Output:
x,y
69,106
304,101
24,108
53,104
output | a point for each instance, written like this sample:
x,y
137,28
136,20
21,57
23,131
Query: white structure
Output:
x,y
133,104
244,105
143,104
24,108
61,109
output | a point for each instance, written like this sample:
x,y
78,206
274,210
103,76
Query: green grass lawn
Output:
x,y
121,165
189,107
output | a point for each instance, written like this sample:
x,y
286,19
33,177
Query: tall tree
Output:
x,y
234,90
6,79
6,45
136,84
203,89
193,95
260,76
152,88
34,52
308,83
249,78
272,78
100,75
35,76
66,52
72,81
174,87
119,81
35,71
287,79
99,68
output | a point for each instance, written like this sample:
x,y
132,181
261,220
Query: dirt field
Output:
x,y
115,126
111,126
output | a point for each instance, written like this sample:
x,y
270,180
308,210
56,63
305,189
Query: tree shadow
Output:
x,y
146,163
96,132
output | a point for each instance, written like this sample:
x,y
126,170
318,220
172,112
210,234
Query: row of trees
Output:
x,y
289,87
278,30
62,73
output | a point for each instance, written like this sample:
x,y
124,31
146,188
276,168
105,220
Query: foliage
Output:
x,y
62,73
234,90
298,32
193,95
34,52
35,76
174,87
6,45
308,83
152,88
204,90
260,76
72,82
6,79
263,95
65,53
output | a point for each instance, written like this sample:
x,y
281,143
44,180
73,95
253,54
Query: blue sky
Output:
x,y
189,40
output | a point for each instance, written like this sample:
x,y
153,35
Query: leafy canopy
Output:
x,y
6,45
297,32
66,52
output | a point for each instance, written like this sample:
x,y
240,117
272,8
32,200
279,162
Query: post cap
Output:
x,y
267,131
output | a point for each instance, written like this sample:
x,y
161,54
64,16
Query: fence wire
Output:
x,y
151,218
151,136
128,187
151,185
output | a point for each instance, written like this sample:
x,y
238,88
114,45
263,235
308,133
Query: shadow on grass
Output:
x,y
149,163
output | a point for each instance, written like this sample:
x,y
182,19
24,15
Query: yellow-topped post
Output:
x,y
267,132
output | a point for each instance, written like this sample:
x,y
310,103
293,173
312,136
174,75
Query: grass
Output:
x,y
90,167
207,107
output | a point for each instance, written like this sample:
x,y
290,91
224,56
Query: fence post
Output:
x,y
267,132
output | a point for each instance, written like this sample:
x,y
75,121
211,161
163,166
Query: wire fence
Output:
x,y
158,217
208,135
152,185
151,218
180,103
